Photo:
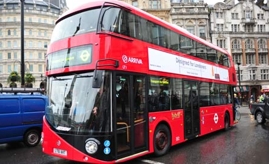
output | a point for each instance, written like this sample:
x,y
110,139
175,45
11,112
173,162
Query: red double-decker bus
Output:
x,y
122,84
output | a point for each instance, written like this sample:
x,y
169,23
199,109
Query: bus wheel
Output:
x,y
162,140
32,137
226,121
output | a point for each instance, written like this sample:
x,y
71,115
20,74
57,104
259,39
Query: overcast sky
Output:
x,y
74,3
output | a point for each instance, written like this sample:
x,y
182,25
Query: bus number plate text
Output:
x,y
60,151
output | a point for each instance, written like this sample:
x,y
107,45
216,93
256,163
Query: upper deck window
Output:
x,y
76,24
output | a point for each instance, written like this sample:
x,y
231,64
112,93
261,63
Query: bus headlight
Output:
x,y
91,147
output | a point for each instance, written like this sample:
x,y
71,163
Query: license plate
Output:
x,y
60,151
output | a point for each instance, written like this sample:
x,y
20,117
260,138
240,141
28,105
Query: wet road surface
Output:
x,y
246,143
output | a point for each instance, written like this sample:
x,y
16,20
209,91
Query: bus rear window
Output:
x,y
83,22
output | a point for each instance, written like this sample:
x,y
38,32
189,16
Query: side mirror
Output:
x,y
97,78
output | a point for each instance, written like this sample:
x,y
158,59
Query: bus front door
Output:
x,y
191,109
131,115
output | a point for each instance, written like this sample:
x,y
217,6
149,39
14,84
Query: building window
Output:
x,y
190,29
31,67
235,27
30,44
237,58
155,4
30,31
0,32
30,19
252,74
30,55
249,44
248,15
264,74
15,55
39,20
221,43
15,44
1,69
9,68
15,32
250,58
39,55
39,32
261,28
219,15
8,32
1,56
248,28
263,58
8,55
0,44
135,3
9,44
202,32
219,27
40,68
234,15
45,33
262,44
260,16
236,44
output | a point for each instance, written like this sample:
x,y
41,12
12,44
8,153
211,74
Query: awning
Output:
x,y
243,89
264,90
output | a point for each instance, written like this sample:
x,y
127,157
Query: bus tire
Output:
x,y
32,137
162,140
259,117
226,121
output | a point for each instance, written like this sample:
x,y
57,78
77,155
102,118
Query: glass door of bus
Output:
x,y
191,109
131,114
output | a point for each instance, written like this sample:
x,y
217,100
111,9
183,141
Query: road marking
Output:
x,y
151,162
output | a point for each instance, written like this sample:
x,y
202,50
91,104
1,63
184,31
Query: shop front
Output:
x,y
242,93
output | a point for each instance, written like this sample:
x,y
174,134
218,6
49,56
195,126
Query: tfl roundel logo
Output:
x,y
124,58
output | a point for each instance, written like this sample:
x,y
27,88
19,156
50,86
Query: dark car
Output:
x,y
260,111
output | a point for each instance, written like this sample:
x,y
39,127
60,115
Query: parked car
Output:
x,y
260,111
21,115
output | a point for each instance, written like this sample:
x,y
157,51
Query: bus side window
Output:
x,y
131,24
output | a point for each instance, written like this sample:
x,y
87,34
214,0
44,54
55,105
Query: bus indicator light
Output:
x,y
107,143
107,150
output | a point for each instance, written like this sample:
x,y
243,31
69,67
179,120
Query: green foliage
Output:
x,y
13,77
29,78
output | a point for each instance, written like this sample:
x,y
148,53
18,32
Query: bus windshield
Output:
x,y
76,24
72,102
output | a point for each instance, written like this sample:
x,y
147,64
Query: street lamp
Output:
x,y
239,81
22,44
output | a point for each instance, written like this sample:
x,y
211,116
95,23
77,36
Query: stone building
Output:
x,y
39,19
158,8
193,15
243,29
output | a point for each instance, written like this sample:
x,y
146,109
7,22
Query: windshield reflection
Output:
x,y
76,107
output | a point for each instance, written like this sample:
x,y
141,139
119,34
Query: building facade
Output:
x,y
158,8
243,30
193,15
39,19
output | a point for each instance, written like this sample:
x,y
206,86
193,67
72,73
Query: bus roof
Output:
x,y
139,12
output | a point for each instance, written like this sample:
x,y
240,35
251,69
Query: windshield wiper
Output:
x,y
78,27
61,79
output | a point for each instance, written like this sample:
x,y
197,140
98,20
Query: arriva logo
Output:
x,y
127,59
